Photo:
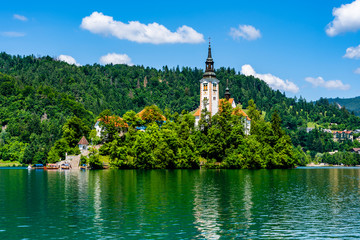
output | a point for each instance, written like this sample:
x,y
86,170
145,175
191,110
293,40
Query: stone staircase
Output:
x,y
74,160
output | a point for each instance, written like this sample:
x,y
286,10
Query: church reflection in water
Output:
x,y
219,210
206,208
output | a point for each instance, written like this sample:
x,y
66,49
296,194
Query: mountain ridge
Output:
x,y
352,104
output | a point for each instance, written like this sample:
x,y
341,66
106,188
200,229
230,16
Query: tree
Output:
x,y
94,159
152,114
205,118
253,113
276,124
73,130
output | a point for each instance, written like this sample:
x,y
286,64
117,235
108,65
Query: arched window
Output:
x,y
205,86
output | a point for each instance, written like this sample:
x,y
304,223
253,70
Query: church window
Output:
x,y
214,86
214,98
205,86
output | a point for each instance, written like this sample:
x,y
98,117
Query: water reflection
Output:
x,y
247,198
206,207
97,204
181,204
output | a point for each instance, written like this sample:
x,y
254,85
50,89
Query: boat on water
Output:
x,y
65,166
51,166
38,166
83,167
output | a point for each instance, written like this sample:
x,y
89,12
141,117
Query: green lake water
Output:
x,y
303,203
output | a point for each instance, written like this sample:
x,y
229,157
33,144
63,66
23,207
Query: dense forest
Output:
x,y
43,100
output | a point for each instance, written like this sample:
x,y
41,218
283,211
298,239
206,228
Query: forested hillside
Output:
x,y
352,104
31,87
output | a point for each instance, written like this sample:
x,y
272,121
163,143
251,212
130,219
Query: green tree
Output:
x,y
253,113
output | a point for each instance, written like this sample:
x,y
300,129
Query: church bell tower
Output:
x,y
209,87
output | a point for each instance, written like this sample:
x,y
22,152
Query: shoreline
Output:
x,y
327,165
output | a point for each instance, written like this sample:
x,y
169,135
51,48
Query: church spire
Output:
x,y
209,52
209,64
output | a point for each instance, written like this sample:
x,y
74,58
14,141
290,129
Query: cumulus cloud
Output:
x,y
115,58
20,17
273,81
353,52
347,19
331,84
68,59
247,32
13,34
135,31
357,71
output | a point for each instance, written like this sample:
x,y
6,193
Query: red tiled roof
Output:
x,y
142,112
240,112
237,111
83,141
118,121
197,112
231,100
347,132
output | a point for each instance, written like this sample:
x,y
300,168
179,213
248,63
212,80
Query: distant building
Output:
x,y
327,130
339,136
332,153
118,122
83,143
355,150
309,129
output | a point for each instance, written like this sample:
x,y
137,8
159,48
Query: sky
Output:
x,y
303,48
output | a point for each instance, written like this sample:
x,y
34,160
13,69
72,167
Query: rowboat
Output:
x,y
65,166
51,166
38,166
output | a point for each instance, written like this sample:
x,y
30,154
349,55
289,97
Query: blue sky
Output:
x,y
305,48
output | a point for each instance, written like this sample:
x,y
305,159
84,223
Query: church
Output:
x,y
209,95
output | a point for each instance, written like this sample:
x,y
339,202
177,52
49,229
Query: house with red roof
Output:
x,y
116,120
339,136
83,143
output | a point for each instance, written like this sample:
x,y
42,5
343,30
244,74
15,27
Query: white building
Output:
x,y
115,120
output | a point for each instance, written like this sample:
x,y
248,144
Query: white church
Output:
x,y
209,95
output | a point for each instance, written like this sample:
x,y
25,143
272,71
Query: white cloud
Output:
x,y
247,32
135,31
357,71
13,34
331,84
347,19
114,58
273,81
20,17
353,52
68,59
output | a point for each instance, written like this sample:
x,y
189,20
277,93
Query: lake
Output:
x,y
303,203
